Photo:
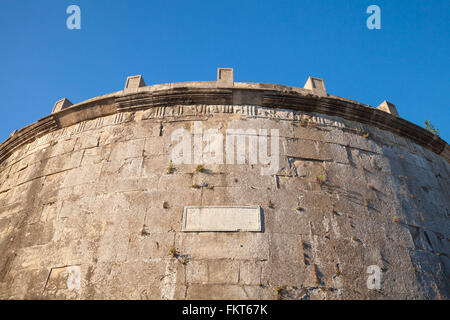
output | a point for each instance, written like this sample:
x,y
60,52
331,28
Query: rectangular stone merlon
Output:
x,y
225,77
222,219
133,83
316,85
61,105
388,107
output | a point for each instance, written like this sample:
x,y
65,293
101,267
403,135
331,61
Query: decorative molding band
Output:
x,y
207,97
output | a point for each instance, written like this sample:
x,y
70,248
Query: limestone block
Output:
x,y
279,273
143,277
360,142
123,168
31,257
49,213
155,146
250,272
113,184
315,150
114,244
214,178
37,233
260,128
236,177
80,176
61,105
12,133
388,107
217,291
17,155
30,173
287,248
133,83
224,245
429,269
225,77
127,149
62,163
163,220
316,85
62,147
222,218
28,283
298,221
87,142
197,272
147,244
335,135
52,190
97,155
64,278
223,272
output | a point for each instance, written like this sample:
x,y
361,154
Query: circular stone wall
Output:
x,y
93,206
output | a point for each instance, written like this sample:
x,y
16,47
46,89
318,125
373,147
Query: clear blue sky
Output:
x,y
406,62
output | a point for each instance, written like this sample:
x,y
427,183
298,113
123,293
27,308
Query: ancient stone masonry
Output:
x,y
93,205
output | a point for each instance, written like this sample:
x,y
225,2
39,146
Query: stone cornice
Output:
x,y
208,92
26,135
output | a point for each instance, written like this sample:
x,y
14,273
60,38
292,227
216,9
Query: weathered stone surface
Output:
x,y
316,85
133,83
222,219
91,206
61,105
225,77
389,108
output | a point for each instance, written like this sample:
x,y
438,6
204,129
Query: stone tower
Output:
x,y
224,190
